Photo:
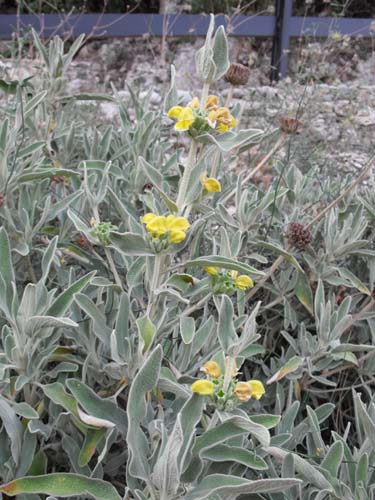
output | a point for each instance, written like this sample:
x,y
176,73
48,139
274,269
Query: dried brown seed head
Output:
x,y
237,74
290,125
298,235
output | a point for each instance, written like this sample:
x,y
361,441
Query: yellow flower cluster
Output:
x,y
241,282
243,391
214,116
158,226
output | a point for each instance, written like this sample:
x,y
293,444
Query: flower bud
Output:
x,y
212,369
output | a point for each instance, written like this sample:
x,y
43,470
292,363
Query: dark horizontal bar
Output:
x,y
128,25
323,26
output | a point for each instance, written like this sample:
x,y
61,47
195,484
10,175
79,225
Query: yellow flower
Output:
x,y
223,127
210,184
212,102
243,282
222,118
184,116
203,387
243,391
194,103
158,225
212,369
211,270
257,388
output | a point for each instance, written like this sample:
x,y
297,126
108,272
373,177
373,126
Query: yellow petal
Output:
x,y
177,223
257,388
175,112
211,270
243,282
158,225
176,236
243,391
223,128
183,125
211,185
212,101
212,369
148,218
203,387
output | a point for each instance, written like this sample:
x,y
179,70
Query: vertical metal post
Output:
x,y
280,47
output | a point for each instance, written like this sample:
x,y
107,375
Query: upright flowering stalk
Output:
x,y
202,115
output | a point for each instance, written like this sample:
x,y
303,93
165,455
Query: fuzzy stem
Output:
x,y
205,90
158,263
215,163
184,185
229,96
228,372
112,265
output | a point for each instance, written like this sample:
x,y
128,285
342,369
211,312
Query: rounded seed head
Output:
x,y
237,74
290,125
298,235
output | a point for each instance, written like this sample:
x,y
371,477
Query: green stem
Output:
x,y
185,181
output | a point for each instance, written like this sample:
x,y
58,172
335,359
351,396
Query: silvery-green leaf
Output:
x,y
145,380
36,323
225,453
61,485
130,244
290,366
166,472
96,406
92,439
233,426
223,262
225,485
171,97
333,458
63,301
226,330
187,329
25,410
232,140
12,427
220,52
147,331
303,467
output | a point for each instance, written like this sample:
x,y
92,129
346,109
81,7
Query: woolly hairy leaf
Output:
x,y
62,485
145,380
226,485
